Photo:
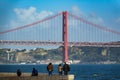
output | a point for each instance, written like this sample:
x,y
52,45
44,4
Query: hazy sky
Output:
x,y
14,13
12,10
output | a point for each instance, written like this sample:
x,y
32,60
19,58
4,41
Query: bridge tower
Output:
x,y
65,36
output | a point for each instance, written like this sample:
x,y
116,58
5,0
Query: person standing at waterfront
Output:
x,y
60,69
66,68
19,73
34,72
50,69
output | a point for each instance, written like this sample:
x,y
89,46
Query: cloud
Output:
x,y
25,16
76,10
96,19
92,17
30,14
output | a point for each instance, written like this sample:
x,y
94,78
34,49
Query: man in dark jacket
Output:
x,y
66,68
19,72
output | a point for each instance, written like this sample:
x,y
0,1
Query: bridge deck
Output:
x,y
49,43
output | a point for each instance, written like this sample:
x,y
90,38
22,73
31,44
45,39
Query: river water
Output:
x,y
80,71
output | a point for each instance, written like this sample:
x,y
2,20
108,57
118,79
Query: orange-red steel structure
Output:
x,y
65,36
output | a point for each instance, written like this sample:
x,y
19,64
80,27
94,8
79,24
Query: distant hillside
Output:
x,y
95,54
84,54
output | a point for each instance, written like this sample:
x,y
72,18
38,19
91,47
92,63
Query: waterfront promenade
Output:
x,y
27,76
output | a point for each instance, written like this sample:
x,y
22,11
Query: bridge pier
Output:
x,y
65,36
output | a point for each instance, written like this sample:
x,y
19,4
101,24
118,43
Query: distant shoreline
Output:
x,y
57,64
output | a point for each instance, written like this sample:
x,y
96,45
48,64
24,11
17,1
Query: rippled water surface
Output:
x,y
81,71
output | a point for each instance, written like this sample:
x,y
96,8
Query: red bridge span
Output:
x,y
63,29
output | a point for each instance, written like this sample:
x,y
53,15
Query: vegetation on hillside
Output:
x,y
84,54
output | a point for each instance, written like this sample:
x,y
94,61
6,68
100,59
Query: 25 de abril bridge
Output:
x,y
62,29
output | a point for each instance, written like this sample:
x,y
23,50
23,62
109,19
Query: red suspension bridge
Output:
x,y
63,29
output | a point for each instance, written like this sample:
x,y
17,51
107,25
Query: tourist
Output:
x,y
19,72
34,72
66,68
60,69
50,69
